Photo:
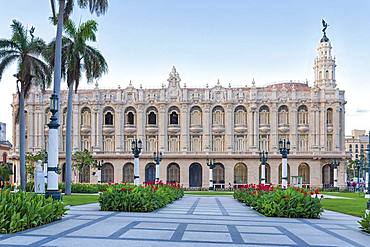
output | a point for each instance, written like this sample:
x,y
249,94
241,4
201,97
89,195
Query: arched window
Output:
x,y
218,116
174,118
240,174
151,113
130,113
219,174
108,118
84,175
128,173
329,116
304,172
173,173
264,115
283,115
327,176
152,118
150,173
108,144
107,173
267,173
195,175
195,116
302,115
280,173
85,117
240,116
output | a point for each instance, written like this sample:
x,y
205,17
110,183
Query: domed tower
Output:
x,y
324,65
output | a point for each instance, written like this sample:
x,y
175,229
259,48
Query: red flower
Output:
x,y
123,189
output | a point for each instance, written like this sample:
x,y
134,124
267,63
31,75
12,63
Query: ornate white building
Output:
x,y
190,125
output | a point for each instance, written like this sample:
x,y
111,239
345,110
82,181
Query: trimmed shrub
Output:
x,y
276,202
365,223
21,210
147,198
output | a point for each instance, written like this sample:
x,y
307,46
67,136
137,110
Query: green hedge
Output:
x,y
276,202
130,198
76,188
21,210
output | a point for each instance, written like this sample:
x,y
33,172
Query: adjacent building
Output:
x,y
5,147
190,125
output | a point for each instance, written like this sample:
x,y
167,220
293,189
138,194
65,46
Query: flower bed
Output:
x,y
276,202
21,210
147,198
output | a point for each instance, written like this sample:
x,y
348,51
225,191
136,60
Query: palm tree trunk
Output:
x,y
58,53
22,139
68,166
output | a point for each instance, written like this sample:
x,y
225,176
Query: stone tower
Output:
x,y
324,65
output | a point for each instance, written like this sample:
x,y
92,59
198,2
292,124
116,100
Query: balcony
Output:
x,y
173,128
130,128
195,129
218,129
85,129
283,128
108,129
151,128
303,128
264,128
240,128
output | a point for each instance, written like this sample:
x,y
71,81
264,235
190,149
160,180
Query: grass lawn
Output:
x,y
355,206
80,199
209,193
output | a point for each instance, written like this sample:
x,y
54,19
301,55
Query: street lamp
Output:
x,y
362,163
53,125
211,163
99,166
357,167
284,147
263,159
136,147
157,156
335,164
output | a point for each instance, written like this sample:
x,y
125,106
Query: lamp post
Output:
x,y
263,159
335,164
362,164
53,125
136,147
357,167
99,166
284,147
157,156
211,163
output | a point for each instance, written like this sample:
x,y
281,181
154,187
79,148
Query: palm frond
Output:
x,y
99,7
5,62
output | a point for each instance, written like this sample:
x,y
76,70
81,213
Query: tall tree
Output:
x,y
78,59
65,9
83,160
24,49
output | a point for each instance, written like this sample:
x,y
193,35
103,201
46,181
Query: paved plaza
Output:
x,y
191,221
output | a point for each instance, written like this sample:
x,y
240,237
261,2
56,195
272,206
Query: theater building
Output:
x,y
190,125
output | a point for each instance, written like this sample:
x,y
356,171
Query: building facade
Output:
x,y
189,125
5,149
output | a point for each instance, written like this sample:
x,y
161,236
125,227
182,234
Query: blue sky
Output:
x,y
231,40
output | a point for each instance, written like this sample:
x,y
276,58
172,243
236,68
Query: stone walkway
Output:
x,y
192,221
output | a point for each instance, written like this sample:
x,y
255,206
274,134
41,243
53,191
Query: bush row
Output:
x,y
76,188
277,202
365,222
146,198
21,210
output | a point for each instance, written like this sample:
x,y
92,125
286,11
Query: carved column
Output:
x,y
118,130
323,127
229,124
141,125
162,127
293,126
206,128
274,132
30,128
76,128
336,119
99,130
93,128
184,125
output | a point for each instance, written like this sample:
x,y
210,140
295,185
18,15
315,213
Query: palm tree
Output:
x,y
65,9
83,161
24,49
78,58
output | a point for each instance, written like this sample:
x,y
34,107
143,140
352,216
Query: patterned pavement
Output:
x,y
191,221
